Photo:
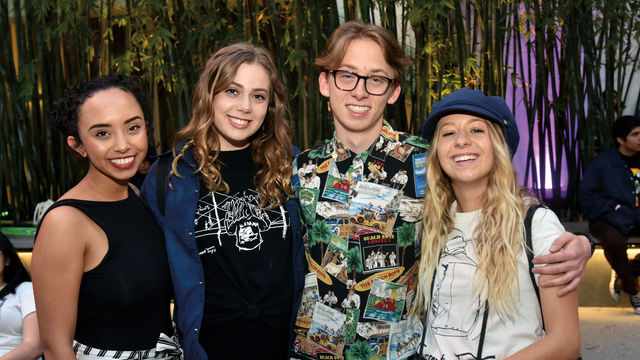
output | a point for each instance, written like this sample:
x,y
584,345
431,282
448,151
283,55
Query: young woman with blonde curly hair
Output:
x,y
476,289
230,222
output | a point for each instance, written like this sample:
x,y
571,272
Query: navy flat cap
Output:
x,y
474,102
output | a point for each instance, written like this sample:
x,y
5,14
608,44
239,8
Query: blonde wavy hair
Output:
x,y
271,145
498,238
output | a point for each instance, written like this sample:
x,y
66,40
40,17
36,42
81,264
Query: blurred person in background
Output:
x,y
19,336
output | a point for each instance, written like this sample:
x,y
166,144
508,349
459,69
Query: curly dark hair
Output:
x,y
15,273
65,110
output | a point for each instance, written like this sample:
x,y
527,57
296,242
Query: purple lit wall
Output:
x,y
515,96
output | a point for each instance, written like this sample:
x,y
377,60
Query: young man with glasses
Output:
x,y
357,216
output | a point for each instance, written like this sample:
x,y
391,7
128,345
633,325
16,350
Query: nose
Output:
x,y
244,104
121,143
360,92
462,139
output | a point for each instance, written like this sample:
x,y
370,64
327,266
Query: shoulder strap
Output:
x,y
483,331
529,250
161,182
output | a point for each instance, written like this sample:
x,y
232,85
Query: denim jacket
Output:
x,y
186,269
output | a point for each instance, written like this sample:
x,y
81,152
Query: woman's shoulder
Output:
x,y
25,298
25,287
63,226
545,228
544,216
63,214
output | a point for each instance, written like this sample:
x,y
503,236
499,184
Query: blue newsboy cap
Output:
x,y
474,102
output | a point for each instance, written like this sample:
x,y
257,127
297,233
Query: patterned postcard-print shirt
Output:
x,y
362,217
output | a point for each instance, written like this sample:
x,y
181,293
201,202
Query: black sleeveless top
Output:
x,y
124,302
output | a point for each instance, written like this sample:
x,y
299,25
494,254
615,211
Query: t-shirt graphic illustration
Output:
x,y
234,220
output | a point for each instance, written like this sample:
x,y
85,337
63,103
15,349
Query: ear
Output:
x,y
76,145
394,95
620,140
323,83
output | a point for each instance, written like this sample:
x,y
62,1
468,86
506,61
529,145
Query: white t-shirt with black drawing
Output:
x,y
455,315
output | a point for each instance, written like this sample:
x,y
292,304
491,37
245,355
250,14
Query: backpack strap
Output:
x,y
161,182
529,250
483,331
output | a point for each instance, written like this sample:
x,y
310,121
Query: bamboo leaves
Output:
x,y
585,56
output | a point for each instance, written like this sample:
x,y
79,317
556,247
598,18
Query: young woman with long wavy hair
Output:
x,y
229,218
476,289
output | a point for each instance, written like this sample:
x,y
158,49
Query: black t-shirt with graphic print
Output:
x,y
245,254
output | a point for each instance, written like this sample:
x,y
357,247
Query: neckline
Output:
x,y
130,195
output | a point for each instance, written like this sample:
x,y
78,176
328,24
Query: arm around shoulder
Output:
x,y
567,257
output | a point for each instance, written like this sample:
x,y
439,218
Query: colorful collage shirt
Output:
x,y
362,215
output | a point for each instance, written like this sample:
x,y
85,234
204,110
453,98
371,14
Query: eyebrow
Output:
x,y
241,86
373,71
472,120
476,119
134,118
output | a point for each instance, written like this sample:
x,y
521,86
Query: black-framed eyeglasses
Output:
x,y
373,84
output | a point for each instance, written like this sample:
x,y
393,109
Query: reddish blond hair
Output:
x,y
271,145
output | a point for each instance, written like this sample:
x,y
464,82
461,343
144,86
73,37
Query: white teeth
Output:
x,y
358,109
465,157
122,161
238,121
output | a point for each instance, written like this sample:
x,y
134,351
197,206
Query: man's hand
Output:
x,y
569,256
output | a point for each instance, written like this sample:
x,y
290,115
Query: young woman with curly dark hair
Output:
x,y
100,272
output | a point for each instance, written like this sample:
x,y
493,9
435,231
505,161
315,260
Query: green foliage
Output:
x,y
49,45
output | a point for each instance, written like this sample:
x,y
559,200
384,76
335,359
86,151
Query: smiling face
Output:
x,y
241,108
465,151
357,114
112,134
